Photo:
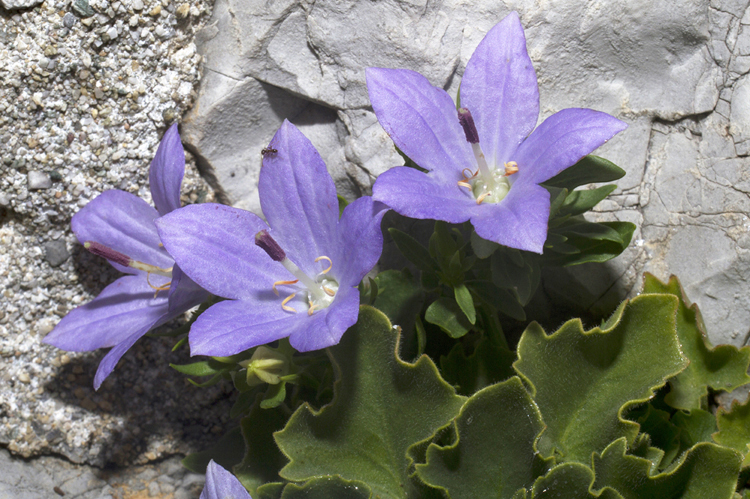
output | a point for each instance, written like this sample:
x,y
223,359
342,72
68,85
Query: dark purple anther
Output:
x,y
270,246
467,122
108,253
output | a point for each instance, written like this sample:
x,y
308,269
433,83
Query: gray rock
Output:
x,y
19,4
82,9
674,72
38,180
56,252
69,20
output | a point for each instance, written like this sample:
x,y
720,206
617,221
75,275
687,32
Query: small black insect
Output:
x,y
268,150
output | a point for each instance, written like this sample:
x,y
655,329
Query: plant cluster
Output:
x,y
403,384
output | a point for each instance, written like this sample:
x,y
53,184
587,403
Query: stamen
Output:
x,y
163,287
286,300
125,260
329,291
464,184
511,167
330,264
281,283
482,196
270,246
311,309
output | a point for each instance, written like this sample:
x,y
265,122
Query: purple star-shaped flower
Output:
x,y
296,278
120,227
485,163
221,484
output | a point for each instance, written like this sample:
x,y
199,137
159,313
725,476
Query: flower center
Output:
x,y
487,185
321,291
126,261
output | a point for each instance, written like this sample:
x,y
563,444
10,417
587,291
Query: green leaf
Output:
x,y
592,250
589,230
445,243
400,298
582,381
695,427
327,487
274,396
203,368
446,314
466,302
382,405
516,270
557,197
501,299
262,460
589,170
482,248
734,429
579,202
227,452
270,491
488,363
413,251
569,481
663,433
721,368
705,471
492,454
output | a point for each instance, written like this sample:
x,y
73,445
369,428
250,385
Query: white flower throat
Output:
x,y
321,291
487,185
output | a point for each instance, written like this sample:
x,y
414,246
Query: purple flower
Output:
x,y
120,227
221,484
296,278
485,163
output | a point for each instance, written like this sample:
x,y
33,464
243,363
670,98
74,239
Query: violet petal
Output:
x,y
122,309
298,198
109,362
518,221
184,293
499,88
421,119
360,240
221,484
329,324
125,223
166,172
231,326
214,245
416,194
561,140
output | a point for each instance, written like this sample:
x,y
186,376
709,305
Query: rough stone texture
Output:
x,y
676,72
85,115
19,4
52,478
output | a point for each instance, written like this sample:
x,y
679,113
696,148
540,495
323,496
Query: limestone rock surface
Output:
x,y
675,72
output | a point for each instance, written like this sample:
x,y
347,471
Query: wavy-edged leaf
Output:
x,y
589,170
734,429
327,487
262,460
569,481
695,427
382,405
493,453
705,471
582,381
489,363
663,434
722,368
